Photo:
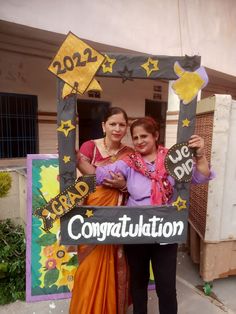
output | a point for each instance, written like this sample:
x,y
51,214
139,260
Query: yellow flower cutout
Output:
x,y
57,252
66,159
150,66
185,122
180,203
67,278
108,64
89,213
66,127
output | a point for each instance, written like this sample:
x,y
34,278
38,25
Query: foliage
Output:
x,y
5,183
12,262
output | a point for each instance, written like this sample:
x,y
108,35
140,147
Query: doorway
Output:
x,y
91,114
157,110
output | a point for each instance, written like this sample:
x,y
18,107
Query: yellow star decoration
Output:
x,y
180,203
108,64
150,66
185,122
89,213
66,159
66,127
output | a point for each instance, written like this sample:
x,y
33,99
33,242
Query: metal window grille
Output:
x,y
18,125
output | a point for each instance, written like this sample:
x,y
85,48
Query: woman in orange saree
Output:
x,y
101,280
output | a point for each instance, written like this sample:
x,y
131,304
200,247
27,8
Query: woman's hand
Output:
x,y
117,181
197,142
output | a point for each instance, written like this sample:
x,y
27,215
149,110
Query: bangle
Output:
x,y
199,156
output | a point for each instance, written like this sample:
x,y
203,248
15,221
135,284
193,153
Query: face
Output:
x,y
144,142
115,127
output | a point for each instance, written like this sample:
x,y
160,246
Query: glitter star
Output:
x,y
126,74
66,159
108,64
66,127
185,122
89,213
180,203
150,66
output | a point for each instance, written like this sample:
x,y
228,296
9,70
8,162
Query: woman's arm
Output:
x,y
202,164
83,165
113,174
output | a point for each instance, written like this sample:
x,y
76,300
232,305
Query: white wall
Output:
x,y
25,74
168,27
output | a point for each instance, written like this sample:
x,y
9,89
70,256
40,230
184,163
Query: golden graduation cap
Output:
x,y
76,63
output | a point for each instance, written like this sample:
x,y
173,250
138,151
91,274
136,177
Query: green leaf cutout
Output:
x,y
51,277
73,261
47,239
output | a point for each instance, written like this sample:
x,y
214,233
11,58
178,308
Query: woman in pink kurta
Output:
x,y
101,282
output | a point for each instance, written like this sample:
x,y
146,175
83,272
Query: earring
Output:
x,y
104,134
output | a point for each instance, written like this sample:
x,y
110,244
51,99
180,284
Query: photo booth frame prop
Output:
x,y
75,66
130,67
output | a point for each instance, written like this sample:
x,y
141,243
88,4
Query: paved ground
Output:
x,y
191,299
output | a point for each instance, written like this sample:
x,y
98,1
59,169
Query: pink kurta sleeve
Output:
x,y
87,150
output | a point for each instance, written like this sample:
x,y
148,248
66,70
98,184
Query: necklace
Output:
x,y
113,156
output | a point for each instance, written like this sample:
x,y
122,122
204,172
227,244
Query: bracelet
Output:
x,y
198,156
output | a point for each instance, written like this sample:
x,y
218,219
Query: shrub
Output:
x,y
12,262
5,183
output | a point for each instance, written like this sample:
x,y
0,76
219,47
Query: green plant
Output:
x,y
12,262
5,183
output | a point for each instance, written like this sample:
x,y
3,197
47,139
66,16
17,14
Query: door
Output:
x,y
157,110
91,113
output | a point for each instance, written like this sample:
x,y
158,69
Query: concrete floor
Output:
x,y
190,298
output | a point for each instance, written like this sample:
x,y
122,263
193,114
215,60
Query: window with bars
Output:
x,y
18,125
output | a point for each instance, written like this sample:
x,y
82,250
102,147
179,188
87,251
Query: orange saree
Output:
x,y
101,280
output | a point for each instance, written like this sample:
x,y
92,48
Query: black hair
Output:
x,y
115,110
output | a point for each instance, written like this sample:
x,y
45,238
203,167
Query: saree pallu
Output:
x,y
101,281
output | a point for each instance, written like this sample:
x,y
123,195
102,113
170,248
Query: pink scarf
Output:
x,y
161,189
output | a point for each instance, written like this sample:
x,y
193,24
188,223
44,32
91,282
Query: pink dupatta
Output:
x,y
161,190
